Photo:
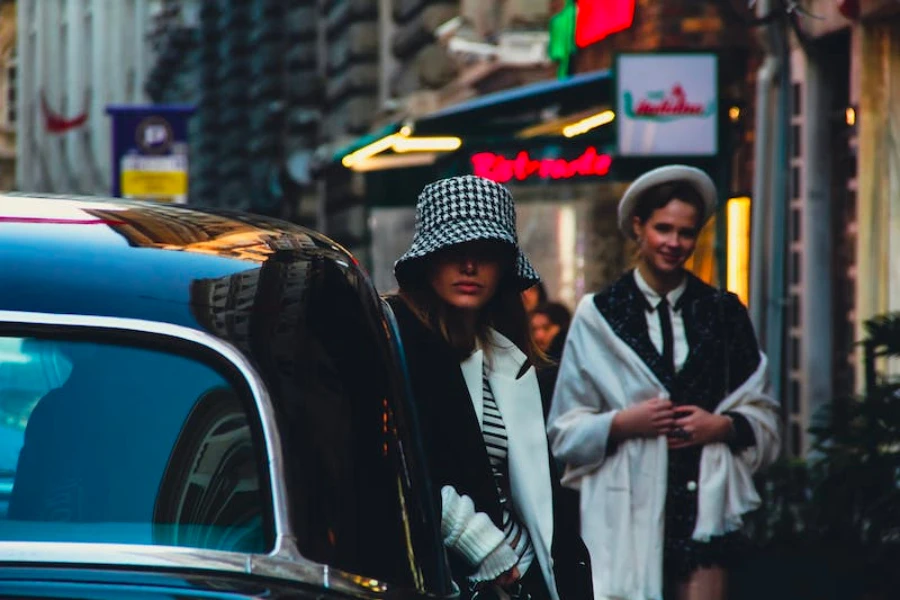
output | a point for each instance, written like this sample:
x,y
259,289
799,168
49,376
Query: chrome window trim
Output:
x,y
283,562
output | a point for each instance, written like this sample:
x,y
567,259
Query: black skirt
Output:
x,y
681,554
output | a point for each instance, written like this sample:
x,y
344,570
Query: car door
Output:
x,y
152,446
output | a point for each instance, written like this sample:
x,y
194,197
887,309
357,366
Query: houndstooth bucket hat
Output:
x,y
464,209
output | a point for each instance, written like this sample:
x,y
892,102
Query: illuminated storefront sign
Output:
x,y
667,104
523,167
661,106
597,19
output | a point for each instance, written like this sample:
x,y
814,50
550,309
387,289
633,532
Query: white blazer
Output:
x,y
519,402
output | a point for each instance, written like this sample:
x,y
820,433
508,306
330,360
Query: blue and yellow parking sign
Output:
x,y
150,152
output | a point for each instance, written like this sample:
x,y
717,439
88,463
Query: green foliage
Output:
x,y
883,332
846,496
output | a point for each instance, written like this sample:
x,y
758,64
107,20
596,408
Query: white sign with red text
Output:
x,y
667,104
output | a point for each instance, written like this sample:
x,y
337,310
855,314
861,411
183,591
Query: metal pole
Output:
x,y
775,305
761,172
816,273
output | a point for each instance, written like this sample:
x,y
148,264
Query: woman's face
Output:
x,y
466,276
543,330
668,237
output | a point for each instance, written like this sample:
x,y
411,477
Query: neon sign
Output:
x,y
597,19
501,169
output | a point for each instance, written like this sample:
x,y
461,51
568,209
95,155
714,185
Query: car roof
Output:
x,y
135,259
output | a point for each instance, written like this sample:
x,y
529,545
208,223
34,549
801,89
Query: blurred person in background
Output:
x,y
660,412
549,325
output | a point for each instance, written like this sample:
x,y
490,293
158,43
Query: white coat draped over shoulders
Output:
x,y
623,495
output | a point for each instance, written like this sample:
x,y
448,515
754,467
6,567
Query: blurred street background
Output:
x,y
334,113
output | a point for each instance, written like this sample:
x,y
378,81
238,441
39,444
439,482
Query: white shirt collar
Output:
x,y
653,297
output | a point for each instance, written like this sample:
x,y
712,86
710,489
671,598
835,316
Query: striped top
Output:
x,y
494,431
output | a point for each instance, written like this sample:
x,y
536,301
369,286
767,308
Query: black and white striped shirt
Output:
x,y
494,431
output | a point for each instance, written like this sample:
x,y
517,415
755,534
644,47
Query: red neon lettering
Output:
x,y
502,169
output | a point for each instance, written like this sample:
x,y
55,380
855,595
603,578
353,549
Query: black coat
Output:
x,y
457,455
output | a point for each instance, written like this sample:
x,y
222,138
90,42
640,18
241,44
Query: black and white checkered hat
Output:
x,y
464,209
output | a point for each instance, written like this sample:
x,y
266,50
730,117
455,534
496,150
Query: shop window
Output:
x,y
738,245
702,262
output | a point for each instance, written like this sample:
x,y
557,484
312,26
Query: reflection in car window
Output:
x,y
108,443
351,500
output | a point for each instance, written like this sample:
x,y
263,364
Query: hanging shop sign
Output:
x,y
150,152
667,104
597,19
523,167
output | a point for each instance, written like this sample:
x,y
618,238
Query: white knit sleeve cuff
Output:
x,y
471,534
495,564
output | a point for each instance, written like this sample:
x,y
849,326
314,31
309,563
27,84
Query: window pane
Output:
x,y
119,444
347,458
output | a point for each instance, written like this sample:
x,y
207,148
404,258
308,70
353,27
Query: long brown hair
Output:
x,y
505,313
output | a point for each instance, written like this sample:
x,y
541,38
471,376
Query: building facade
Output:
x,y
250,71
280,87
75,57
8,94
841,257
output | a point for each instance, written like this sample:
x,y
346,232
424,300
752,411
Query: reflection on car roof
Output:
x,y
154,261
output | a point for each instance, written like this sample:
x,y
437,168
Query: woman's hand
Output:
x,y
650,418
697,427
507,579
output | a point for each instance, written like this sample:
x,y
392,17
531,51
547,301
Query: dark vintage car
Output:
x,y
201,405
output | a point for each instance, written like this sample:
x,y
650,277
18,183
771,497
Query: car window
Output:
x,y
114,443
359,499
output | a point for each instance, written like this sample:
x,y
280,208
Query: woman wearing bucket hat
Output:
x,y
659,412
471,362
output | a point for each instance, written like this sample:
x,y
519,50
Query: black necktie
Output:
x,y
665,324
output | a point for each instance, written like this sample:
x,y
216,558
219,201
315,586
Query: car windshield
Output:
x,y
112,443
